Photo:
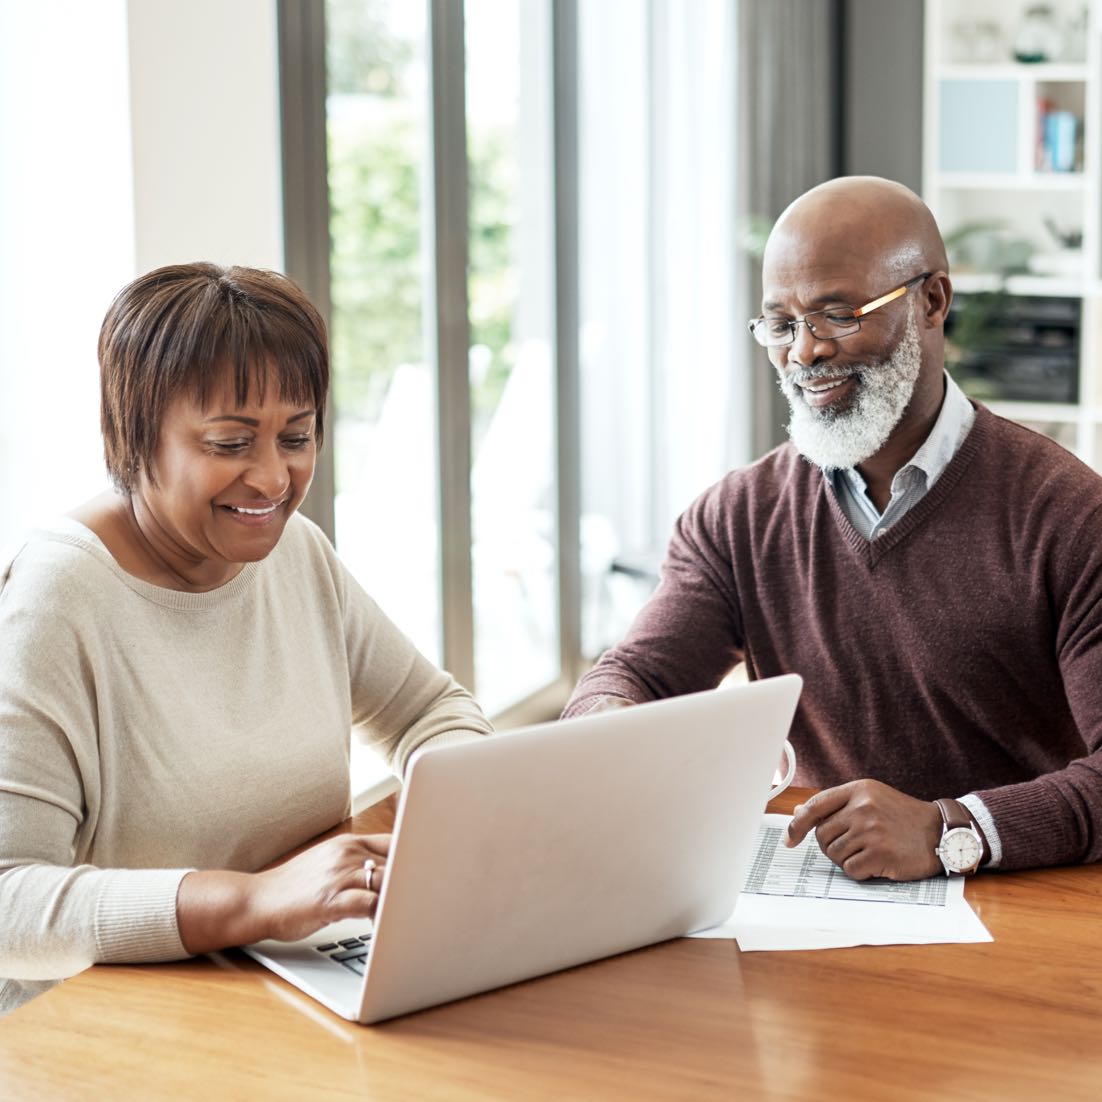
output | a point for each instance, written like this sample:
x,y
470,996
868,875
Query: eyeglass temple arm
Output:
x,y
883,300
876,303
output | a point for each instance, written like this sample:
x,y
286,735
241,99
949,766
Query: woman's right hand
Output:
x,y
322,884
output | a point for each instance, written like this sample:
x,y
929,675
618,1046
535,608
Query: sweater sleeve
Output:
x,y
1057,818
61,915
689,634
400,700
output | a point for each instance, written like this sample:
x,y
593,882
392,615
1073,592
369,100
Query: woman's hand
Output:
x,y
327,882
323,884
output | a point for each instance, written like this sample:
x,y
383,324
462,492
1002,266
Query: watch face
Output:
x,y
960,849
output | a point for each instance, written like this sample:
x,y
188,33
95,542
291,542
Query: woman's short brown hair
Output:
x,y
178,329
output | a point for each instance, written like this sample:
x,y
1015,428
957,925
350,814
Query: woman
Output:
x,y
182,658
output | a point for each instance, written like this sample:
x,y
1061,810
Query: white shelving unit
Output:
x,y
986,159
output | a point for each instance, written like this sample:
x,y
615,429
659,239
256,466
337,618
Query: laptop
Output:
x,y
546,847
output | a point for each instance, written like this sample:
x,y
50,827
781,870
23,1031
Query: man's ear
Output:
x,y
938,292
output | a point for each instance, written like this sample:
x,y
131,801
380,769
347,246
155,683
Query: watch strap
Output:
x,y
953,814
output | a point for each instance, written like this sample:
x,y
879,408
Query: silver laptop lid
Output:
x,y
543,848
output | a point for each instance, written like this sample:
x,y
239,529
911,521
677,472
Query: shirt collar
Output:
x,y
937,450
951,427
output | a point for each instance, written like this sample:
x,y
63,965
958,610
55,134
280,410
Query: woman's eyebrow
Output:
x,y
252,421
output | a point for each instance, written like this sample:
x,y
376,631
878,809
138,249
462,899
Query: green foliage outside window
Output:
x,y
376,156
376,263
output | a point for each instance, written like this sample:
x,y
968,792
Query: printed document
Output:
x,y
799,899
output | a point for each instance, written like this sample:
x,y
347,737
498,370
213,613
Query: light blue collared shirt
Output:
x,y
909,486
912,482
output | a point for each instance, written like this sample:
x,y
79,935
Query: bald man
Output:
x,y
933,571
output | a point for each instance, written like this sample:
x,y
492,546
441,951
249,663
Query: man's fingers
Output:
x,y
802,821
812,813
835,840
856,865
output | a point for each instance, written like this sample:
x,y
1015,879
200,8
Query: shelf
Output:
x,y
1048,73
988,127
1012,181
972,282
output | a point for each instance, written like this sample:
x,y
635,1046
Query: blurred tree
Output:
x,y
363,55
492,276
376,151
375,225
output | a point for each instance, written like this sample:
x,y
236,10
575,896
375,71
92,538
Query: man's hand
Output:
x,y
870,829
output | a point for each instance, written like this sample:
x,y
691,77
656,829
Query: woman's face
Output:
x,y
225,480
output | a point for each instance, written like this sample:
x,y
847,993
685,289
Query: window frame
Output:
x,y
302,76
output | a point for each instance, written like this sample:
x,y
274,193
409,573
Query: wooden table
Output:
x,y
1020,1018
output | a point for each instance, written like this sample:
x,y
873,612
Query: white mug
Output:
x,y
780,785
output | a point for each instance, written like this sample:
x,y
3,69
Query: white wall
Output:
x,y
204,103
131,135
66,243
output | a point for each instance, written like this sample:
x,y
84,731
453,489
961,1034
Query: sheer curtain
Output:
x,y
67,245
114,159
664,370
694,117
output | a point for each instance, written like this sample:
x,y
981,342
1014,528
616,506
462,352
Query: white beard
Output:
x,y
837,439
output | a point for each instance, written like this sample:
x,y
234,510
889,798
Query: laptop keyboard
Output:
x,y
351,952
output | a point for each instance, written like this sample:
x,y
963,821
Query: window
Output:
x,y
664,363
388,280
512,380
384,395
529,272
655,333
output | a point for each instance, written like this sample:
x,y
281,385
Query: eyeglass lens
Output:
x,y
823,323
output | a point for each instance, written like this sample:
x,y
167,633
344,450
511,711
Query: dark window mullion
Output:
x,y
450,335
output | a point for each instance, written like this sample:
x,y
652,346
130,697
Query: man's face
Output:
x,y
847,395
843,415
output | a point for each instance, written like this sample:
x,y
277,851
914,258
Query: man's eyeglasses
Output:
x,y
827,325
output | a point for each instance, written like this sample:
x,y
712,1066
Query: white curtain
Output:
x,y
115,159
66,245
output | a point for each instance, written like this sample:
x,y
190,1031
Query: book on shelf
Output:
x,y
1057,139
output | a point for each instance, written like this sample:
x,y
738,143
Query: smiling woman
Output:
x,y
182,659
219,492
213,397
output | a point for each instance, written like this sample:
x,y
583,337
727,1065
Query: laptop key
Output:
x,y
327,948
349,954
351,943
356,964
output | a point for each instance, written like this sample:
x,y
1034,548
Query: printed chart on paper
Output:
x,y
805,872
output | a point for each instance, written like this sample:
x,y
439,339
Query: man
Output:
x,y
933,571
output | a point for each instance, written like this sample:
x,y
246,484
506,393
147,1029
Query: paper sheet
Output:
x,y
799,899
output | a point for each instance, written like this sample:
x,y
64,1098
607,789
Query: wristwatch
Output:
x,y
961,846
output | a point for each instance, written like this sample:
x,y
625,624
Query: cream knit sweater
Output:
x,y
145,732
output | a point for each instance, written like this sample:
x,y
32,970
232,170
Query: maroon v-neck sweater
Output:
x,y
959,652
